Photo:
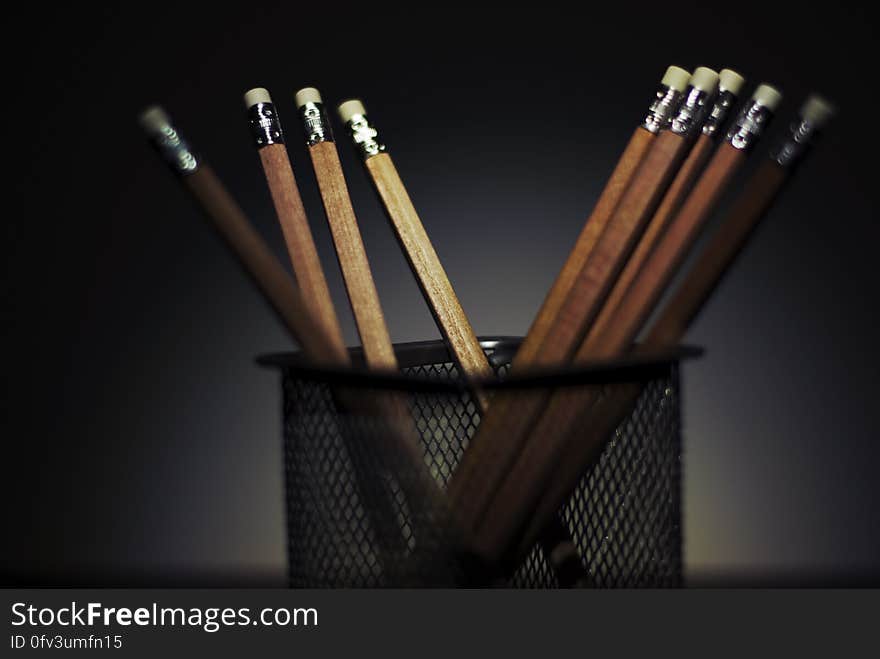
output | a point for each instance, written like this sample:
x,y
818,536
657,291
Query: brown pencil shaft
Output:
x,y
632,155
506,426
260,263
663,262
527,479
298,237
714,260
669,329
397,444
672,201
353,262
429,272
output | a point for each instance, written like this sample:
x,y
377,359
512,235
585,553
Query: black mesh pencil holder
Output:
x,y
367,457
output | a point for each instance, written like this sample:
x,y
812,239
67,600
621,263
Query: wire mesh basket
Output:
x,y
366,510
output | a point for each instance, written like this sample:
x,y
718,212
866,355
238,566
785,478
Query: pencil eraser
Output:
x,y
676,78
307,95
256,95
767,96
154,119
704,79
817,110
348,109
731,81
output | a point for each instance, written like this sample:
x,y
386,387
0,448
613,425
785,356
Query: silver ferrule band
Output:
x,y
749,125
364,136
661,108
691,112
795,144
174,150
724,102
315,123
265,125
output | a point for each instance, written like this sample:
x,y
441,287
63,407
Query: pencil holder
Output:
x,y
362,511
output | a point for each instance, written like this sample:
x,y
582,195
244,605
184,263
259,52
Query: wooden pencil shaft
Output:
x,y
678,190
298,237
613,247
527,479
262,266
663,262
740,221
286,299
527,353
721,251
429,272
506,426
353,261
632,155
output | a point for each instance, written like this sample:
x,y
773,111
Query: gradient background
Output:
x,y
142,445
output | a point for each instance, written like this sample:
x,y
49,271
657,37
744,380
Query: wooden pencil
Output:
x,y
246,244
396,445
353,262
535,466
713,262
729,85
505,428
269,140
417,247
665,101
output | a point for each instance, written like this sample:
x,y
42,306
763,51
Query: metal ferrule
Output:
x,y
315,123
664,103
724,102
691,112
364,136
800,137
749,125
265,125
174,150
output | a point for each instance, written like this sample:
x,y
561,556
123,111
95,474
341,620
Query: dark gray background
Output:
x,y
142,444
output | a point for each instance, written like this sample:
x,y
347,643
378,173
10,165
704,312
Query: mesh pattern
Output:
x,y
350,525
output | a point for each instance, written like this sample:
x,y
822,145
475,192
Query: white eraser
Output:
x,y
731,81
704,79
307,95
154,119
676,78
767,96
817,110
348,109
256,95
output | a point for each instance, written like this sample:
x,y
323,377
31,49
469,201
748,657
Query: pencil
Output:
x,y
665,101
245,243
505,428
396,442
729,85
353,262
714,261
269,140
660,266
423,260
534,466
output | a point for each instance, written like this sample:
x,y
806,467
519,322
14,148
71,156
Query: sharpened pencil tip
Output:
x,y
348,109
256,95
307,95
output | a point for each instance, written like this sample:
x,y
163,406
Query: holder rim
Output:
x,y
634,368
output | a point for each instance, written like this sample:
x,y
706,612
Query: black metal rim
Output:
x,y
636,368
